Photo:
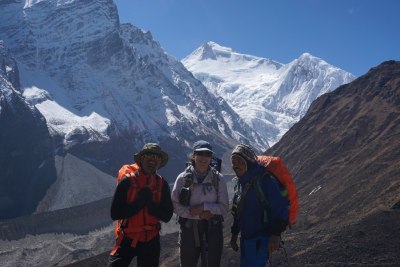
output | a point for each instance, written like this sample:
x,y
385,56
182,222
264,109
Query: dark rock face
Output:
x,y
26,165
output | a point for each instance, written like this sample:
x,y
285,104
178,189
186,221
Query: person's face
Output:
x,y
202,160
150,162
239,165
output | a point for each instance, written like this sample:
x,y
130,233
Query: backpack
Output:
x,y
276,167
127,169
216,163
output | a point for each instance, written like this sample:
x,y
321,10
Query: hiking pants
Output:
x,y
147,253
254,251
210,237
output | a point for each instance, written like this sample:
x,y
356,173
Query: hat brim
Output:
x,y
164,156
203,149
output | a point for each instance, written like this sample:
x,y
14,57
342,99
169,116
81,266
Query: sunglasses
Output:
x,y
204,154
150,155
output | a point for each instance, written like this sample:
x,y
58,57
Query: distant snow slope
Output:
x,y
268,95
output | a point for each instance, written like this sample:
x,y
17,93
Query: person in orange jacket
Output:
x,y
141,200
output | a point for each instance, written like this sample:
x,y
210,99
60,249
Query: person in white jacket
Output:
x,y
200,199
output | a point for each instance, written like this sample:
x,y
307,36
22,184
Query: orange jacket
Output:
x,y
142,226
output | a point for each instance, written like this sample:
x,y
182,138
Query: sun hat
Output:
x,y
152,148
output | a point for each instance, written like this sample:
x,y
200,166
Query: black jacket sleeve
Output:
x,y
120,209
165,209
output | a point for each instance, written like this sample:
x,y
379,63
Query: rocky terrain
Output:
x,y
345,158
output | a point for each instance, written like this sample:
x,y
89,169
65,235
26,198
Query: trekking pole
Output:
x,y
284,252
204,247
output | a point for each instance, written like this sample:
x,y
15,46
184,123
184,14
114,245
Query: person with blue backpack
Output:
x,y
260,212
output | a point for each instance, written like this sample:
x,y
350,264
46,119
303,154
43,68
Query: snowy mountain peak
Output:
x,y
212,51
306,55
270,96
226,64
307,58
217,49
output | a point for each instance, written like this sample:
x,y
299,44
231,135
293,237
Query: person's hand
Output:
x,y
273,243
205,215
145,196
130,174
196,210
234,244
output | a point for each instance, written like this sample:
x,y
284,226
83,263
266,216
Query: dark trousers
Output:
x,y
147,253
190,253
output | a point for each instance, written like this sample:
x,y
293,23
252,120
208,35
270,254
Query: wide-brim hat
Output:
x,y
152,148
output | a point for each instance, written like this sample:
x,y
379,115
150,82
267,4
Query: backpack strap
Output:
x,y
256,183
235,200
261,197
215,181
188,177
242,198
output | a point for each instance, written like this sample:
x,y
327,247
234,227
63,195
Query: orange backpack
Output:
x,y
126,169
278,169
121,174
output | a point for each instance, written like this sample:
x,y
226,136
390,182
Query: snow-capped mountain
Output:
x,y
268,95
92,77
105,89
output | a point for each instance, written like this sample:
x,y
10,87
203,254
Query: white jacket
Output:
x,y
201,193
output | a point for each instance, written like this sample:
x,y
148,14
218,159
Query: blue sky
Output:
x,y
354,35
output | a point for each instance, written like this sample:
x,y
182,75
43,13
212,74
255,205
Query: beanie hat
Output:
x,y
245,152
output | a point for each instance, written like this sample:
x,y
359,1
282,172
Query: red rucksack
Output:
x,y
278,169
